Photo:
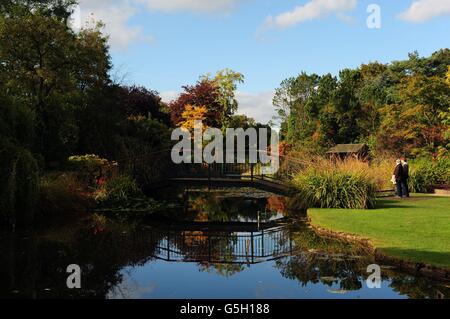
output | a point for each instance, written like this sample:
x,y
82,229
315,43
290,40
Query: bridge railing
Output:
x,y
154,168
216,247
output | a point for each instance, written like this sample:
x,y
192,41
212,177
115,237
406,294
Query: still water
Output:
x,y
214,245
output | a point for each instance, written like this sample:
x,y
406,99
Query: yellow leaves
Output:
x,y
136,118
447,79
413,111
192,114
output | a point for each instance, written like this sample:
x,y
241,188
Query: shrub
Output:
x,y
334,189
88,167
119,190
425,174
61,194
348,183
19,174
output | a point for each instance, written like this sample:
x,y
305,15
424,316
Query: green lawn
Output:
x,y
415,229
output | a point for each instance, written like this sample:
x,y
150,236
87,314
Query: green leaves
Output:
x,y
402,106
333,188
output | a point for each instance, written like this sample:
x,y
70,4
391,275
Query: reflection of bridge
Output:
x,y
223,245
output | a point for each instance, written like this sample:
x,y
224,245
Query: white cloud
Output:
x,y
116,15
169,96
191,5
258,106
423,10
312,10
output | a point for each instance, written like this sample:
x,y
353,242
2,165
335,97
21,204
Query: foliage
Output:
x,y
89,167
216,94
121,197
143,149
378,170
88,162
192,114
18,184
119,189
61,195
447,77
426,174
401,108
333,189
226,81
58,8
204,93
57,99
139,101
64,67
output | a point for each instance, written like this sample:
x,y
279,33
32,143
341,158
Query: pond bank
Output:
x,y
411,234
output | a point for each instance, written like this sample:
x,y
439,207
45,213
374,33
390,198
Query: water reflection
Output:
x,y
257,253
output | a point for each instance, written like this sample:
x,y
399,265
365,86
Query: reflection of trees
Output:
x,y
219,207
224,270
277,204
32,264
419,287
212,251
36,266
330,261
310,268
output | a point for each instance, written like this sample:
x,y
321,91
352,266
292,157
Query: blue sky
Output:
x,y
164,44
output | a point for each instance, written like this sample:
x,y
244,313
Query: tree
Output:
x,y
204,93
291,102
192,114
412,125
137,100
226,81
51,70
216,94
57,8
447,77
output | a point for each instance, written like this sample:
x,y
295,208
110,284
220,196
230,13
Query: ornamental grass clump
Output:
x,y
334,185
426,174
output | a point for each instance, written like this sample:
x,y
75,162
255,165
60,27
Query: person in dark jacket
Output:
x,y
398,173
405,166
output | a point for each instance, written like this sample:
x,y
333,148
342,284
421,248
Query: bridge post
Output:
x,y
253,247
252,165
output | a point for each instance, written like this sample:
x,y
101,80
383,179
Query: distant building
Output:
x,y
343,151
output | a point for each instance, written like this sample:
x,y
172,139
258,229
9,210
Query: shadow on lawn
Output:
x,y
391,204
421,257
401,203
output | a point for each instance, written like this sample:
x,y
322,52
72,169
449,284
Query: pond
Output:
x,y
223,244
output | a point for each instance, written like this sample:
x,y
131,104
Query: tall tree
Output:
x,y
226,81
204,93
51,69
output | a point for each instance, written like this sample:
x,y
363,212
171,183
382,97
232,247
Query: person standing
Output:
x,y
405,179
398,176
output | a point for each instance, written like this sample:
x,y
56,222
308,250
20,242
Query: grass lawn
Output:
x,y
415,229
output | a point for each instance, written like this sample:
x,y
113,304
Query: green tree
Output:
x,y
51,69
226,81
412,125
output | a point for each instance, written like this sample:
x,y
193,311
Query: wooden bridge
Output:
x,y
228,175
165,173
